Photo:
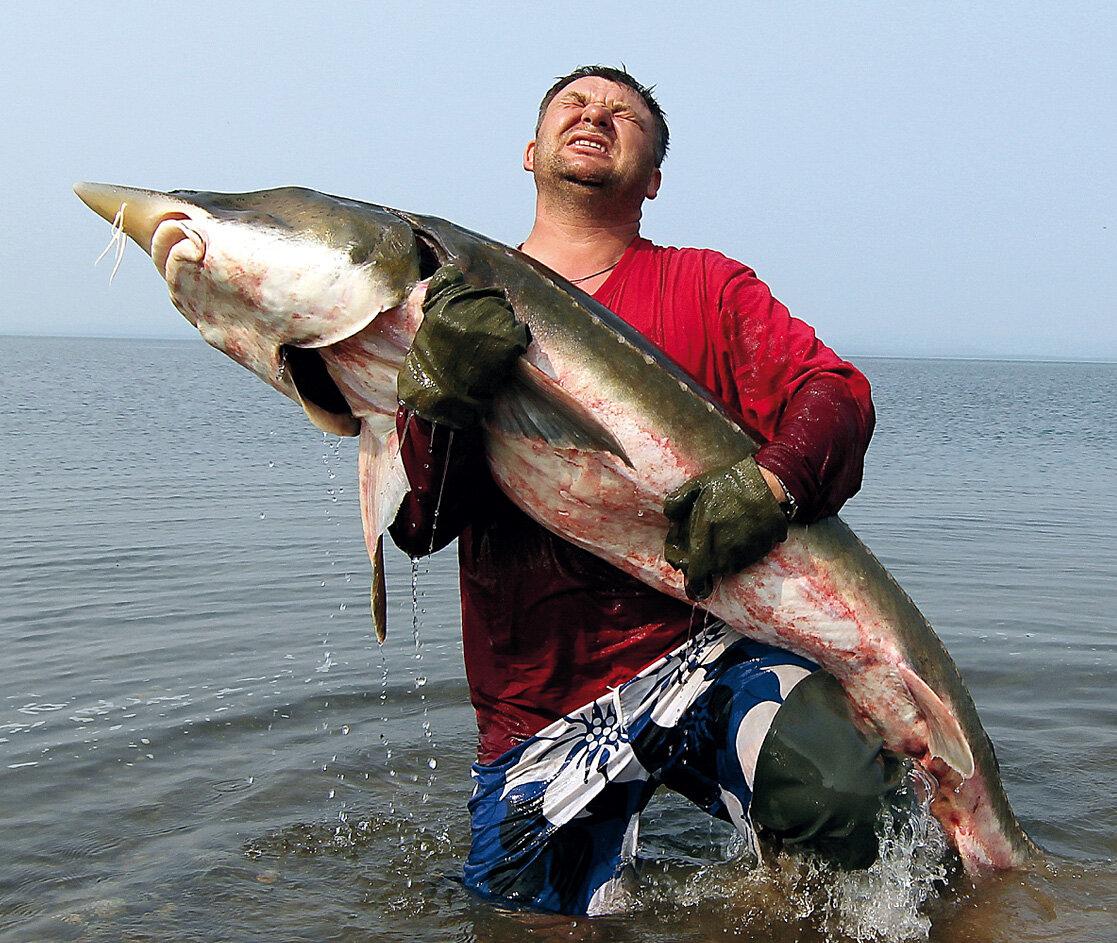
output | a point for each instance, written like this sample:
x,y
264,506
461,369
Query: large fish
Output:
x,y
321,296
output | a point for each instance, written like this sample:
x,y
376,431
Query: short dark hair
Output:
x,y
621,77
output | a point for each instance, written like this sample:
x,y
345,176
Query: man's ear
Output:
x,y
653,184
529,157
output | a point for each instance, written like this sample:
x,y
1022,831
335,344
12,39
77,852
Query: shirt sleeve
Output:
x,y
449,479
813,410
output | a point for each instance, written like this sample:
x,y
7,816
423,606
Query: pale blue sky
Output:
x,y
913,179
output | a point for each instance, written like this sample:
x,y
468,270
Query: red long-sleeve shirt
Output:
x,y
548,627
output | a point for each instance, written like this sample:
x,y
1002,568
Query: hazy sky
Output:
x,y
923,179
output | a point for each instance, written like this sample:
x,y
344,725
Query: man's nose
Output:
x,y
597,115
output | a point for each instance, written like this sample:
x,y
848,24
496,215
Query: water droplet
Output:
x,y
432,763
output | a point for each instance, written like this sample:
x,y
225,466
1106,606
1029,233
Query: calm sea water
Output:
x,y
200,740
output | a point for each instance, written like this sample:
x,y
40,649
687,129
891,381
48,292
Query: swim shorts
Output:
x,y
554,820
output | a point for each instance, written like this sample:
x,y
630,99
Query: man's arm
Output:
x,y
812,409
818,452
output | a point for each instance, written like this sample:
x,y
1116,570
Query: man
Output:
x,y
591,689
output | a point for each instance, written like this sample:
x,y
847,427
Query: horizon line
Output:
x,y
988,357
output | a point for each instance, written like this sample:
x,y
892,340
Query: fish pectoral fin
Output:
x,y
945,736
383,484
534,406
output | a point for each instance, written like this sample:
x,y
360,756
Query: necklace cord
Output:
x,y
586,278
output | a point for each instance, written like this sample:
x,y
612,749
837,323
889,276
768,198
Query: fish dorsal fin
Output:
x,y
383,484
534,406
945,736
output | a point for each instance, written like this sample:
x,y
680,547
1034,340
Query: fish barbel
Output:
x,y
321,296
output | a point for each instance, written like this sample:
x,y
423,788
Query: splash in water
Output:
x,y
801,897
886,902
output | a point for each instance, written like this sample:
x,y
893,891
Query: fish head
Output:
x,y
268,277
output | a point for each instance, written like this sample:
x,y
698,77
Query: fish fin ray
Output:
x,y
383,485
946,739
534,406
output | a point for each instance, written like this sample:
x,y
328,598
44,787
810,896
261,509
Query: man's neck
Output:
x,y
579,244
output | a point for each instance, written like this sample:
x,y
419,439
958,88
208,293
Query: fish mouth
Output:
x,y
170,233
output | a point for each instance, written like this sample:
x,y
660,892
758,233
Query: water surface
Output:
x,y
200,739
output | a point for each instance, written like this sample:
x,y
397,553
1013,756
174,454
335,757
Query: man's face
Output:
x,y
599,135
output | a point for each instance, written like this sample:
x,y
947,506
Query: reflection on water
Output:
x,y
199,738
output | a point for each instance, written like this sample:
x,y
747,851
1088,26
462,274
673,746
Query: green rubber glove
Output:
x,y
463,350
719,523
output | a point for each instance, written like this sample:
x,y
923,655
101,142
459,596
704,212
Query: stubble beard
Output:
x,y
578,185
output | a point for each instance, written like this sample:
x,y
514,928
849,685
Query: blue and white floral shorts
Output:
x,y
554,820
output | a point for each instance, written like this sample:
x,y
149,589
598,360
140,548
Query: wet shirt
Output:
x,y
548,627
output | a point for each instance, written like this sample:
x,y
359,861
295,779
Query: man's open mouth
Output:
x,y
590,143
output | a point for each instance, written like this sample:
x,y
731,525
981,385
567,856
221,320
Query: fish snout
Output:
x,y
138,213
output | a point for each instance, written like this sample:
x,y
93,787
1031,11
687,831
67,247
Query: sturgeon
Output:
x,y
321,296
